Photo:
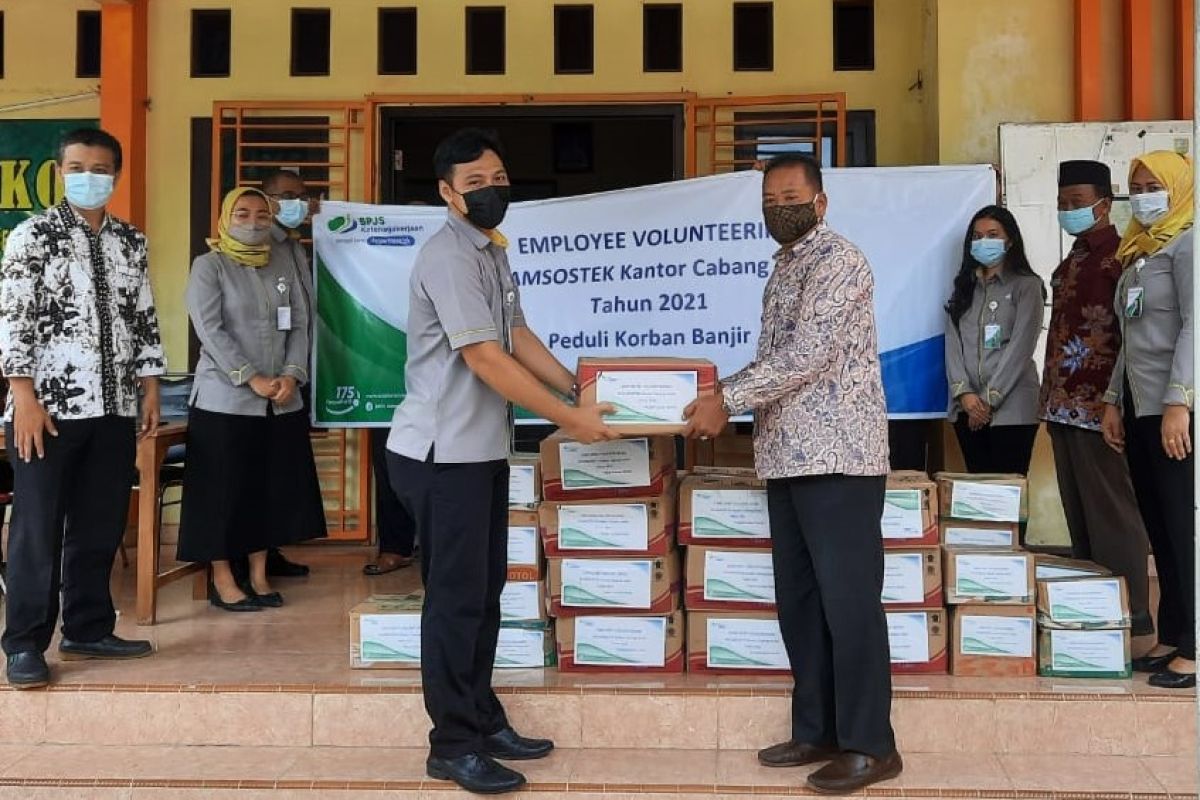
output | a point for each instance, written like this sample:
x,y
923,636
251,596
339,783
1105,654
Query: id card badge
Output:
x,y
993,336
283,318
1134,299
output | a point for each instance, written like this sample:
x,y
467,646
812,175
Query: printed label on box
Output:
x,y
987,502
647,398
597,583
604,527
621,641
1087,651
519,601
902,514
991,576
390,638
746,644
522,545
1086,601
520,648
1004,637
522,490
1050,572
908,636
903,578
607,465
979,537
730,514
740,577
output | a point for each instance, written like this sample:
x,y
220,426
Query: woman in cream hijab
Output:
x,y
1149,416
250,482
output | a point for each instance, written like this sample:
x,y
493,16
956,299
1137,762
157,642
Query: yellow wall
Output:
x,y
39,61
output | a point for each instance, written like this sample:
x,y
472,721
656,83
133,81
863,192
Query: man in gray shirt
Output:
x,y
470,357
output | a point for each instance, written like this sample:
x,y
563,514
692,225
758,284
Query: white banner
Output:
x,y
672,269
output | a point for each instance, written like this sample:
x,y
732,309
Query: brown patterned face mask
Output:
x,y
788,224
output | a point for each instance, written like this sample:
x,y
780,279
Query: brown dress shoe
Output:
x,y
850,772
795,754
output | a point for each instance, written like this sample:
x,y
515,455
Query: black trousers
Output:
x,y
828,556
1164,489
397,531
68,517
461,511
908,443
1004,448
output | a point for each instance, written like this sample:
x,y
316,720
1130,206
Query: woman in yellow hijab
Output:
x,y
250,481
1149,416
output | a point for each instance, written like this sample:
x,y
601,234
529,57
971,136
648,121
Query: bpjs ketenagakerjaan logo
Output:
x,y
345,399
379,231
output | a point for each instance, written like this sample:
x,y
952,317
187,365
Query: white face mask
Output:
x,y
1150,207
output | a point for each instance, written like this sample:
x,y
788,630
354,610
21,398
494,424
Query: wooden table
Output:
x,y
151,451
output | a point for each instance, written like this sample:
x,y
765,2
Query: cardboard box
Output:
x,y
649,394
724,509
627,586
918,639
983,497
965,533
1048,567
735,643
1083,603
910,511
988,576
627,527
639,467
730,449
912,578
385,632
993,641
526,645
524,481
524,546
727,579
652,644
523,601
1085,654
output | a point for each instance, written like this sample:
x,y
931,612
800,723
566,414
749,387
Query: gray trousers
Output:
x,y
1101,510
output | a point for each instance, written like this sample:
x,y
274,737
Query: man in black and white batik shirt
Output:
x,y
79,342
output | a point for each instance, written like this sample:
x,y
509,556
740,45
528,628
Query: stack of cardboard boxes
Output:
x,y
1083,623
526,635
989,580
912,585
730,586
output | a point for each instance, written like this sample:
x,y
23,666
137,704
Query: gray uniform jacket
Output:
x,y
235,311
1156,347
1001,371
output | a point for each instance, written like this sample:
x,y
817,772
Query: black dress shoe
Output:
x,y
245,604
1153,664
508,745
795,754
28,670
110,647
850,772
475,773
279,567
1170,679
268,600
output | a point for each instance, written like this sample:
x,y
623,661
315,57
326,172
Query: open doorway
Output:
x,y
551,151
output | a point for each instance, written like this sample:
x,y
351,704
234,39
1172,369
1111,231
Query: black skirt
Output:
x,y
249,484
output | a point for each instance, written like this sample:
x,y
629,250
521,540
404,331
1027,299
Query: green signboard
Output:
x,y
27,179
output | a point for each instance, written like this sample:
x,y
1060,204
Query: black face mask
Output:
x,y
788,224
486,207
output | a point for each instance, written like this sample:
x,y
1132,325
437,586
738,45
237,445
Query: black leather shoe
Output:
x,y
279,567
268,600
795,754
475,773
1153,664
850,772
508,745
28,671
1170,679
110,647
245,604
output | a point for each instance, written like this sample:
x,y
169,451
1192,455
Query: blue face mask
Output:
x,y
292,213
1078,220
88,190
988,251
